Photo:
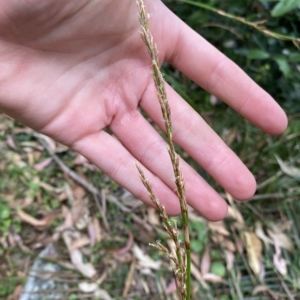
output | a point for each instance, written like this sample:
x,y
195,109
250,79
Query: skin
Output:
x,y
70,69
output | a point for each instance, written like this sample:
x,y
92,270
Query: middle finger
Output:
x,y
198,139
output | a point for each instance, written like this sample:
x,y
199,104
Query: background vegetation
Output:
x,y
254,254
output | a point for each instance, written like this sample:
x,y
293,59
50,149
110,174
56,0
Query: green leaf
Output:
x,y
4,226
283,65
294,57
197,246
181,236
33,186
197,226
4,212
218,268
284,6
257,54
224,298
200,229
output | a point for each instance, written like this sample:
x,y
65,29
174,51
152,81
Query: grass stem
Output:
x,y
183,271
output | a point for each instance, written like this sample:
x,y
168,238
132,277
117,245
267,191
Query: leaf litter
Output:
x,y
77,229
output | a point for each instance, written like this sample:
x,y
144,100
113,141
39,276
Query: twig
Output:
x,y
285,287
269,180
129,278
263,196
103,197
256,25
233,31
102,209
88,186
137,219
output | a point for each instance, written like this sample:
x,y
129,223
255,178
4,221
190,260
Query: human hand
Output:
x,y
70,69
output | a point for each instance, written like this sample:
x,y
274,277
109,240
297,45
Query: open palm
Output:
x,y
70,69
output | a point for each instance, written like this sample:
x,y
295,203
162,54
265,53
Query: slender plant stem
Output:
x,y
184,265
172,232
257,25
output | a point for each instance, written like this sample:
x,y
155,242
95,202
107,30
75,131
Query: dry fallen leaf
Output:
x,y
81,160
218,239
197,275
263,289
209,277
195,217
261,234
229,259
144,260
62,196
86,269
94,231
50,142
17,293
22,203
129,200
10,142
69,235
88,287
80,213
68,219
43,164
78,192
278,261
129,279
102,294
153,218
26,130
127,247
282,239
15,159
172,249
236,215
171,288
41,224
254,250
37,155
30,157
4,242
206,261
229,245
229,135
79,243
218,227
213,100
11,240
288,170
195,258
19,242
282,226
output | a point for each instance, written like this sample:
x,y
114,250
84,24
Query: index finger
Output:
x,y
209,68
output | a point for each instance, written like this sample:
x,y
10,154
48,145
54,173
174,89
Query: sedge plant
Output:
x,y
182,259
